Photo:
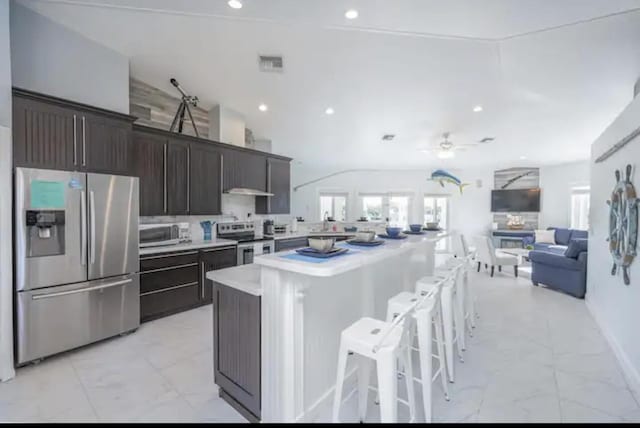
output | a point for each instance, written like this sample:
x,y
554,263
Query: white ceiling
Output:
x,y
550,74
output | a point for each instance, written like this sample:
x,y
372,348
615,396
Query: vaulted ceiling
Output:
x,y
549,74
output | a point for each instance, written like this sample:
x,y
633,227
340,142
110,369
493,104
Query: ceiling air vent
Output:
x,y
271,63
388,137
487,140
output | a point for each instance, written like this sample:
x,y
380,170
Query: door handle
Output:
x,y
83,228
92,220
81,290
269,187
164,159
84,140
75,140
188,179
221,174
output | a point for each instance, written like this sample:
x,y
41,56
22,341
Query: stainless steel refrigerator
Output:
x,y
76,259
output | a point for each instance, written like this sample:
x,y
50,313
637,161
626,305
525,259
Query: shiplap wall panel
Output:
x,y
156,108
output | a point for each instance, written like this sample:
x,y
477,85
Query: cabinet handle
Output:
x,y
202,280
188,179
221,175
189,253
164,161
168,268
175,287
84,145
75,140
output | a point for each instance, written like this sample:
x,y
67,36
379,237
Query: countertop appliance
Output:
x,y
268,227
161,234
249,245
280,229
76,259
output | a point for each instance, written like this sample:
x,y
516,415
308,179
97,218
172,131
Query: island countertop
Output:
x,y
355,258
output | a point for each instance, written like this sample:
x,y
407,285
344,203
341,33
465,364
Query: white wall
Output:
x,y
556,182
6,281
614,305
470,212
226,126
49,58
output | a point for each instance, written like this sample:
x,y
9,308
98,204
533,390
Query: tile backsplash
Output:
x,y
234,208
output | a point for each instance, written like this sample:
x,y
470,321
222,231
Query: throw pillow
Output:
x,y
576,246
545,237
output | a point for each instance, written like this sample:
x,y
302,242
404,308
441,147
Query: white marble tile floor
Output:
x,y
536,356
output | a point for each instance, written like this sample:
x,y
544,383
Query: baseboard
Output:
x,y
327,399
630,373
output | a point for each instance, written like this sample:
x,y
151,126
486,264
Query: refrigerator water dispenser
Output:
x,y
45,233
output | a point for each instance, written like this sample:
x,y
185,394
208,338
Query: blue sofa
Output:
x,y
562,266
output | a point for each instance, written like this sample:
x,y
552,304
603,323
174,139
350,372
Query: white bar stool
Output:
x,y
386,344
426,317
451,317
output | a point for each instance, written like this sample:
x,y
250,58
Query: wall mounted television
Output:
x,y
515,200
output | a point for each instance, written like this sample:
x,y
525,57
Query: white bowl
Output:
x,y
322,244
365,236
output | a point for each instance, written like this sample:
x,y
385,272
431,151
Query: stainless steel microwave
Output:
x,y
157,235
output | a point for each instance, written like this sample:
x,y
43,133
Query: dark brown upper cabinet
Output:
x,y
177,177
278,177
52,133
205,182
244,169
107,145
150,151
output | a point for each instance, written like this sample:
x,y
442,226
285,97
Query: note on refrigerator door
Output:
x,y
257,249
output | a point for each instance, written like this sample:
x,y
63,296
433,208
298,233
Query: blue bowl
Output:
x,y
415,227
394,231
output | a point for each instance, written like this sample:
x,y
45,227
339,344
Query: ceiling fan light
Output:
x,y
446,154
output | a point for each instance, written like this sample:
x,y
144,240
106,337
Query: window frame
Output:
x,y
579,191
333,194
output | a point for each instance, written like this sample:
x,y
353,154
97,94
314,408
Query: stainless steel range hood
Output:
x,y
247,192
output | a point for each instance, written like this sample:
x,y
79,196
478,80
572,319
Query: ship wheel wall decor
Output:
x,y
623,223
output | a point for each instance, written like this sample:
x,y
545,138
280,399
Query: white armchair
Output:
x,y
487,254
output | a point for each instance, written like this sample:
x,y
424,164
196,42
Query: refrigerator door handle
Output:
x,y
92,220
81,290
83,228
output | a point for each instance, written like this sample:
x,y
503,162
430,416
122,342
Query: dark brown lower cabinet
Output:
x,y
237,356
175,282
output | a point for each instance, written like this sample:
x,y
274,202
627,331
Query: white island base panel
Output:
x,y
303,315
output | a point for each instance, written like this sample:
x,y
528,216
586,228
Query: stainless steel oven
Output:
x,y
248,250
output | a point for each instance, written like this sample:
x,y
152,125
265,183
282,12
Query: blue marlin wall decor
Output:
x,y
443,176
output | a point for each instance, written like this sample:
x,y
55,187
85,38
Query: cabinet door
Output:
x,y
237,356
44,135
106,145
177,181
214,260
244,169
150,161
278,183
205,180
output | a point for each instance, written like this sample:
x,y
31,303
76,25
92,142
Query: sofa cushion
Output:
x,y
555,260
545,237
550,248
563,236
579,234
576,246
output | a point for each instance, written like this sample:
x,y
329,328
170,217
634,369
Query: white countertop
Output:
x,y
193,245
245,278
358,258
292,235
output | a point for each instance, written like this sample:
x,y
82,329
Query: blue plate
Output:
x,y
408,232
401,236
374,243
308,251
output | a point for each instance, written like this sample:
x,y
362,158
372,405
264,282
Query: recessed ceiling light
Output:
x,y
263,107
446,154
523,157
477,109
329,111
351,14
235,4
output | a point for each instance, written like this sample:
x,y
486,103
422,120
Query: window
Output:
x,y
399,207
394,207
580,197
372,207
333,205
436,210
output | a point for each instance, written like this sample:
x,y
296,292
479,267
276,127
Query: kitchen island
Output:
x,y
303,307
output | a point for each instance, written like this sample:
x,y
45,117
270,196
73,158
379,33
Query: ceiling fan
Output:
x,y
446,149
